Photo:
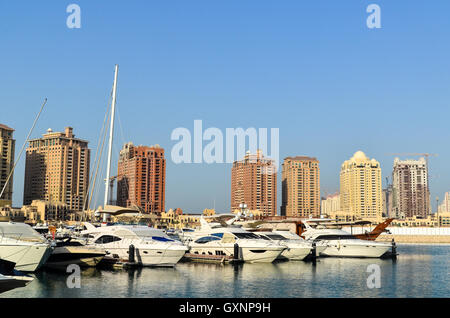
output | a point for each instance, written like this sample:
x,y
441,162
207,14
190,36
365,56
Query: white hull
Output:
x,y
346,249
147,256
295,253
28,257
251,254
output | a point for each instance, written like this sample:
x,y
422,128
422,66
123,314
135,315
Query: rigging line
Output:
x,y
99,160
23,146
92,184
120,125
97,151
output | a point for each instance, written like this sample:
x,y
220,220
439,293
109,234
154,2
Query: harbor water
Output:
x,y
419,271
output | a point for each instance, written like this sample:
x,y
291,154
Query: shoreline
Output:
x,y
415,239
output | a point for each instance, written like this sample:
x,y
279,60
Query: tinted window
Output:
x,y
105,239
336,237
218,234
246,236
276,237
207,239
161,239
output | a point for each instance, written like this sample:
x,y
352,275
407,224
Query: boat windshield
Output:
x,y
148,232
20,231
276,237
336,237
247,236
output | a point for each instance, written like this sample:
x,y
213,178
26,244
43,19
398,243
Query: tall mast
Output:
x,y
111,135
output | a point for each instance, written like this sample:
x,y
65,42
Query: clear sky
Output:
x,y
310,68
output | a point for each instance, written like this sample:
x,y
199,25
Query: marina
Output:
x,y
419,271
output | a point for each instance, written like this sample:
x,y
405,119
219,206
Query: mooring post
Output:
x,y
131,251
236,256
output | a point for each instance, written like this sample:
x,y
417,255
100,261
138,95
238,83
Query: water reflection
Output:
x,y
418,272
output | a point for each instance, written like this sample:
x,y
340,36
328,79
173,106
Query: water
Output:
x,y
419,271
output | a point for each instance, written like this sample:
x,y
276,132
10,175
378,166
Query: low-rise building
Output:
x,y
44,211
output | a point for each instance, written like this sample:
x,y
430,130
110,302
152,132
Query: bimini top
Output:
x,y
19,231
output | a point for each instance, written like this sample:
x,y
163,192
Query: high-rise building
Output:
x,y
300,187
445,205
388,205
254,182
7,147
57,169
141,178
410,186
361,192
331,204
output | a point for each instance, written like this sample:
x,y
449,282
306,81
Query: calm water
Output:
x,y
419,271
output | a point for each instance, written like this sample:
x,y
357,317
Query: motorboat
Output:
x,y
222,239
22,245
152,246
296,249
73,251
11,279
340,243
319,248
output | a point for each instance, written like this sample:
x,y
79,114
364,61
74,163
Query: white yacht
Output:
x,y
152,246
292,236
296,249
340,243
22,245
217,239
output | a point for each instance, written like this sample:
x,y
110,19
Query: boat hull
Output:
x,y
145,256
27,257
251,254
295,253
81,256
360,251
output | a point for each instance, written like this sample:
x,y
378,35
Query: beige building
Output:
x,y
254,182
432,220
445,206
7,148
57,169
331,204
300,187
45,211
361,191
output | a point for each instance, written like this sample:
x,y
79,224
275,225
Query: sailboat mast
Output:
x,y
111,135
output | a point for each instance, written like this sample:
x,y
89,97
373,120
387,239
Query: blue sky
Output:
x,y
311,68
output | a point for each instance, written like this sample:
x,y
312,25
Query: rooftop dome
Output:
x,y
360,156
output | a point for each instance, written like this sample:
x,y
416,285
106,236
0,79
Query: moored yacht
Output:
x,y
218,239
72,251
296,249
152,246
22,245
340,243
